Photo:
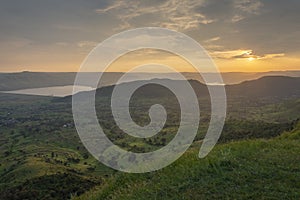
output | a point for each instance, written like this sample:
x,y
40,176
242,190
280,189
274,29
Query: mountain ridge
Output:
x,y
271,86
26,80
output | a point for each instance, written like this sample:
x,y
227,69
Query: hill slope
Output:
x,y
256,169
276,86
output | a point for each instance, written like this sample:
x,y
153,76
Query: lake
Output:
x,y
58,91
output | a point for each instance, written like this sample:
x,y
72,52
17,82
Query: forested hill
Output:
x,y
277,86
266,87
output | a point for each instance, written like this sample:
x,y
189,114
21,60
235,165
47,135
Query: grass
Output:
x,y
250,169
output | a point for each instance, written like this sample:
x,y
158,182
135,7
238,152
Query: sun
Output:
x,y
251,59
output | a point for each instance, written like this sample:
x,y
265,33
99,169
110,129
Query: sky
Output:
x,y
240,35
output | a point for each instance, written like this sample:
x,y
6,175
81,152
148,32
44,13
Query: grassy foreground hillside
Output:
x,y
250,169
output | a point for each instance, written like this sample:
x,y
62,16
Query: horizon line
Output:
x,y
25,71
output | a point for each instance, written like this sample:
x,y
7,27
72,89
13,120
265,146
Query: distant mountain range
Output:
x,y
25,80
271,87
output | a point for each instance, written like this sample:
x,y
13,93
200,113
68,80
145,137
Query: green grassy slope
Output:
x,y
41,155
251,169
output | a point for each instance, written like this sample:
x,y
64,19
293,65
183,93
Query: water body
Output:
x,y
59,91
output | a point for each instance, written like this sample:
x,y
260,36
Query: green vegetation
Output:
x,y
40,152
42,156
56,186
251,169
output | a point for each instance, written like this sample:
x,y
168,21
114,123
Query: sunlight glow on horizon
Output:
x,y
251,59
247,63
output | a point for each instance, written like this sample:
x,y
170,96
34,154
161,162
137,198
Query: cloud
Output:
x,y
243,54
87,44
237,18
229,54
212,39
174,14
268,56
249,6
116,5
